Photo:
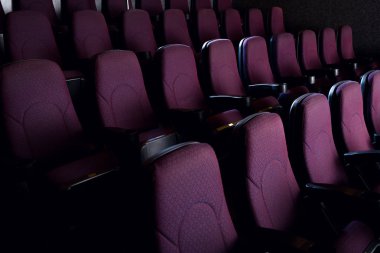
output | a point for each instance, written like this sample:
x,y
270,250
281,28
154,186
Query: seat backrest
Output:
x,y
175,28
276,22
345,43
313,151
138,32
37,111
327,46
120,91
254,65
219,67
370,86
114,9
69,7
207,26
284,56
222,5
153,7
349,128
232,25
191,213
178,4
255,25
29,35
307,47
44,6
90,34
261,155
179,78
196,5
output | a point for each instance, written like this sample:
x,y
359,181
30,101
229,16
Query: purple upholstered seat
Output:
x,y
29,35
232,25
41,125
207,27
222,5
370,86
269,191
90,34
180,85
222,77
153,7
276,24
178,4
175,30
113,10
138,32
44,6
254,24
191,213
69,7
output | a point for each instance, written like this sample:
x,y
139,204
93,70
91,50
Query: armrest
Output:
x,y
360,157
333,69
225,102
266,89
187,115
376,141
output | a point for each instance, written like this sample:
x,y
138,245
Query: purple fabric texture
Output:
x,y
191,210
180,81
352,124
153,7
120,91
178,4
90,33
346,45
277,24
272,188
222,68
355,238
44,6
256,25
320,154
39,116
222,5
29,35
114,9
328,46
233,25
72,6
138,32
207,25
197,5
308,50
255,60
374,82
285,56
175,28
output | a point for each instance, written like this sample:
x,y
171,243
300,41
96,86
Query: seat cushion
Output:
x,y
355,237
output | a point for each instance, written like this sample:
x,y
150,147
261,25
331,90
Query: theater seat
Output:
x,y
254,23
175,30
232,26
181,98
207,27
275,22
266,192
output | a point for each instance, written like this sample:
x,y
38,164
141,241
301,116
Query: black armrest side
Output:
x,y
360,157
264,89
225,102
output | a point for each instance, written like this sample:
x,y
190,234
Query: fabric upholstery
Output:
x,y
277,24
197,5
153,7
256,26
207,26
372,109
345,43
328,46
175,28
72,6
44,6
90,33
222,5
178,4
355,237
308,50
191,210
233,25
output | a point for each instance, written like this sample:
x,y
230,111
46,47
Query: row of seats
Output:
x,y
189,208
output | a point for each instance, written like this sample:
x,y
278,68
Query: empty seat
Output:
x,y
222,5
276,23
207,27
178,4
175,28
90,34
43,129
138,33
123,101
44,6
232,26
69,7
255,68
182,100
254,23
267,193
328,52
221,77
370,84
